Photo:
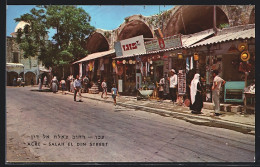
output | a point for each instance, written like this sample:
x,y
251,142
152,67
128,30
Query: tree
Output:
x,y
72,29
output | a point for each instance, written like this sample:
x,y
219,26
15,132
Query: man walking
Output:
x,y
217,83
77,88
173,85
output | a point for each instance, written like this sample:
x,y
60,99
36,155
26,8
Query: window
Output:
x,y
15,57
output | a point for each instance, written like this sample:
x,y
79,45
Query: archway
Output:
x,y
29,77
252,17
135,28
97,43
193,19
10,77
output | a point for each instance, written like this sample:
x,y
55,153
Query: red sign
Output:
x,y
161,43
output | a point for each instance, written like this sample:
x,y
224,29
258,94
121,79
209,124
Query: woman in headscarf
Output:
x,y
196,95
54,84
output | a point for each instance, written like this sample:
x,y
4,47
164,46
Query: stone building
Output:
x,y
184,19
16,65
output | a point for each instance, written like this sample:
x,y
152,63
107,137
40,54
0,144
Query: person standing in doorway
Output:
x,y
32,82
196,95
217,83
161,87
173,85
77,88
104,87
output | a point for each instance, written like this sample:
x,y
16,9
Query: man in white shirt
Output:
x,y
217,83
173,85
77,88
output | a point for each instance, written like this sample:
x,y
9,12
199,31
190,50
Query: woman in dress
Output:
x,y
63,85
40,83
196,95
54,84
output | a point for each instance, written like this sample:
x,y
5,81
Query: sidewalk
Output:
x,y
244,123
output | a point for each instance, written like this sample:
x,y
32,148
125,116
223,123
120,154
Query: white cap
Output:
x,y
172,70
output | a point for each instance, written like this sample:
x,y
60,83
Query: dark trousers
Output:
x,y
76,91
173,94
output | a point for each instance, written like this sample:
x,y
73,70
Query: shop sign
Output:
x,y
130,46
181,82
165,43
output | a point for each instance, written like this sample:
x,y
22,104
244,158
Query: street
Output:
x,y
54,128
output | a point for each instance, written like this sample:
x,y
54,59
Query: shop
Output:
x,y
232,53
97,67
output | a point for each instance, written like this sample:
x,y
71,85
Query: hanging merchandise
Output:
x,y
146,68
93,65
142,70
191,62
80,69
90,66
87,68
120,70
114,64
116,69
187,65
101,64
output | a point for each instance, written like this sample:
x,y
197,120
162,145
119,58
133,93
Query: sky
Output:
x,y
107,17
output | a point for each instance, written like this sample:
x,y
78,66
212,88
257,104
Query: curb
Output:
x,y
180,114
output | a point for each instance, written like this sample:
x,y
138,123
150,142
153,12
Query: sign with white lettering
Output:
x,y
131,46
165,43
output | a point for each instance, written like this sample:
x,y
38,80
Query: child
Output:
x,y
114,93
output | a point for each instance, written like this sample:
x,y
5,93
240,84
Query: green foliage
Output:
x,y
72,29
225,25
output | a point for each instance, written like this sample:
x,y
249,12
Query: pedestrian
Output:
x,y
54,84
14,82
161,87
114,93
22,82
32,82
45,81
77,88
217,83
104,88
196,95
40,83
173,85
19,81
63,85
85,81
68,83
72,85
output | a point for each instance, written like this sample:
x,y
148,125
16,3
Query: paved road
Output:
x,y
102,132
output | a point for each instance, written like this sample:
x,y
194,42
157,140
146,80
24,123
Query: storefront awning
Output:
x,y
229,34
95,56
16,67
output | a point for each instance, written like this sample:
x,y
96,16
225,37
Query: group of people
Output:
x,y
196,100
19,82
77,85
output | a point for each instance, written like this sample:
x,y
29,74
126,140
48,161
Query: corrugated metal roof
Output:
x,y
95,55
228,35
190,39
